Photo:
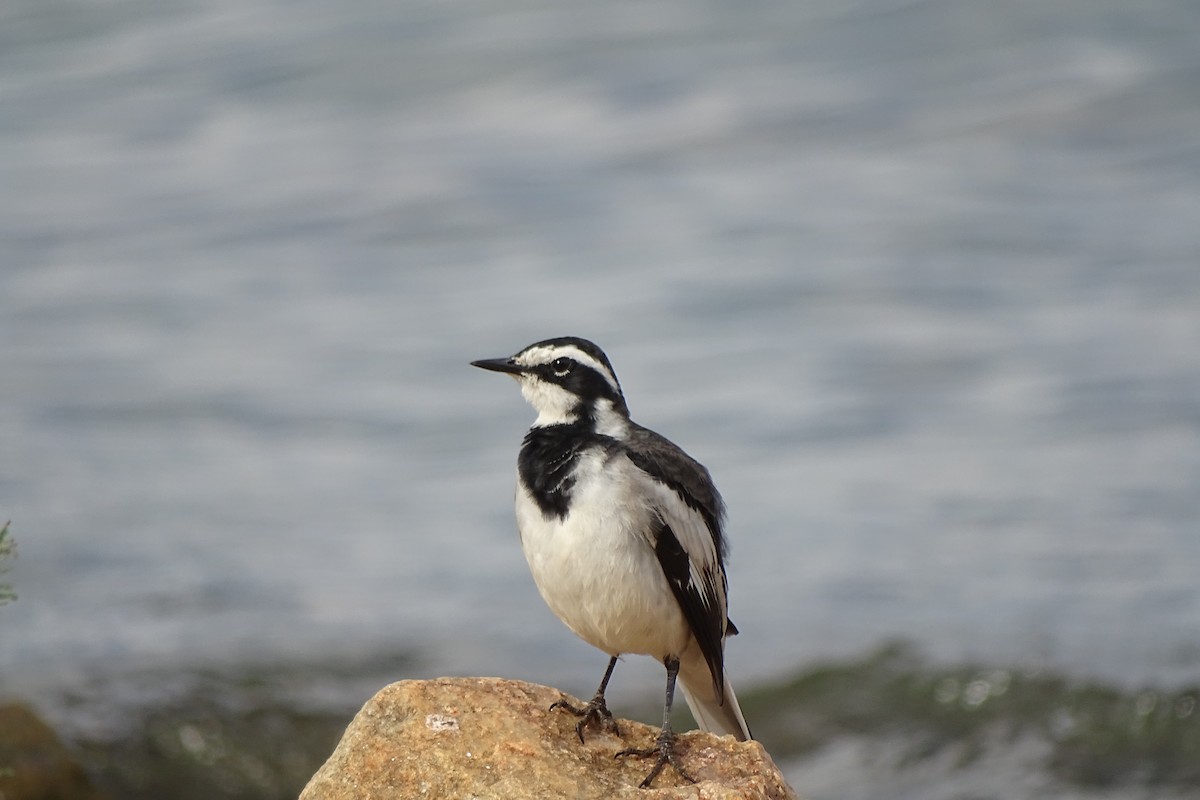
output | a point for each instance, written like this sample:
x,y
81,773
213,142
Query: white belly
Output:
x,y
598,572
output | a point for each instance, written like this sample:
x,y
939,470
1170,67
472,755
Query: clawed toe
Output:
x,y
594,713
664,751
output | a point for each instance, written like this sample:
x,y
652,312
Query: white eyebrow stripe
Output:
x,y
545,354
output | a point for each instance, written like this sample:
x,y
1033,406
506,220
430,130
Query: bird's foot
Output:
x,y
664,752
594,713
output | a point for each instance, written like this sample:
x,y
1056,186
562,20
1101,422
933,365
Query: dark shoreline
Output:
x,y
261,733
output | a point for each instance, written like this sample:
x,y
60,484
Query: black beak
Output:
x,y
499,365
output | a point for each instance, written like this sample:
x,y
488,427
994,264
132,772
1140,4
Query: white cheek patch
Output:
x,y
554,404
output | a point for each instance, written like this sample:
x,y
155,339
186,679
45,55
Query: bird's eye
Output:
x,y
561,366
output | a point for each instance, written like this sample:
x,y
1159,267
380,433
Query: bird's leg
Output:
x,y
664,747
596,710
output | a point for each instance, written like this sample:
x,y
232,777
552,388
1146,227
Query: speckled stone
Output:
x,y
493,738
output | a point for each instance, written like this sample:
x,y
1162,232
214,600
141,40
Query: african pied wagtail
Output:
x,y
622,531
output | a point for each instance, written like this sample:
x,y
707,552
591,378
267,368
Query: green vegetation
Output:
x,y
8,549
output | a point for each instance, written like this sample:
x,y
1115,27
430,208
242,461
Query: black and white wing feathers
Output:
x,y
687,539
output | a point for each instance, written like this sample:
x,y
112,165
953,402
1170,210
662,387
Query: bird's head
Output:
x,y
567,380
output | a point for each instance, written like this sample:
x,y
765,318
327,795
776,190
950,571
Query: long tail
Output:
x,y
697,684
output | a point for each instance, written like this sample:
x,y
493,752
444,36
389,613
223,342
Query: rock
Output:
x,y
34,763
493,738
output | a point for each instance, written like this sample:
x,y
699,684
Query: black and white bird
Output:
x,y
623,534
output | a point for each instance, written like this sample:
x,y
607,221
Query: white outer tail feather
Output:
x,y
696,682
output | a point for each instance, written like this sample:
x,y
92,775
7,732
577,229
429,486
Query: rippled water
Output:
x,y
920,282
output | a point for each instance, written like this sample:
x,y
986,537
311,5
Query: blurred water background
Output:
x,y
919,281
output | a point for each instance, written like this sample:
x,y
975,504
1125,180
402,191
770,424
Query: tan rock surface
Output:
x,y
493,738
